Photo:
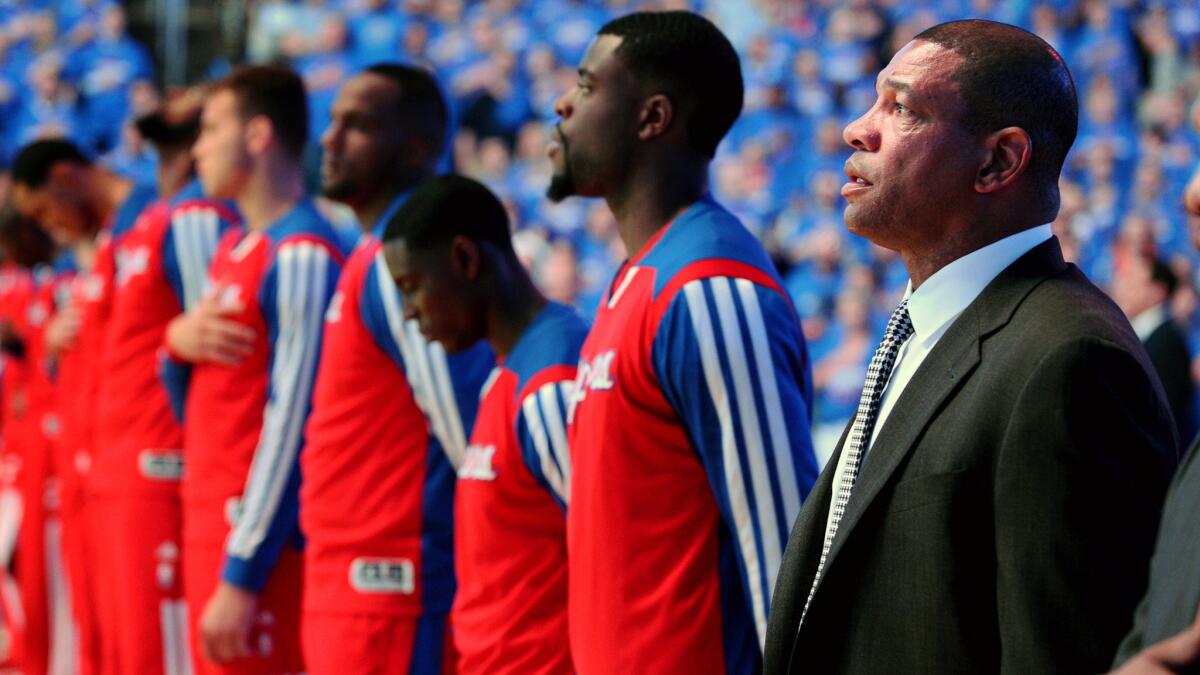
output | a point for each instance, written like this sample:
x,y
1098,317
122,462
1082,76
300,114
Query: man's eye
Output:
x,y
583,86
900,107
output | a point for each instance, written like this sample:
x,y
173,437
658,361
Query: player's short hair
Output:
x,y
1010,77
33,163
277,93
692,61
175,124
420,104
446,207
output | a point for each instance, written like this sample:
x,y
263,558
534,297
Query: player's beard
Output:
x,y
562,183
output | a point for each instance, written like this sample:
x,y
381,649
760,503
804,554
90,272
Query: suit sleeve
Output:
x,y
445,386
1078,487
542,435
294,296
732,362
188,248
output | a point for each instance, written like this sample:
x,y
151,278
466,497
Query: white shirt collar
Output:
x,y
1148,321
951,289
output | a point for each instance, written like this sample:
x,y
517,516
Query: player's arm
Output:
x,y
191,240
445,386
542,430
294,296
732,362
1096,454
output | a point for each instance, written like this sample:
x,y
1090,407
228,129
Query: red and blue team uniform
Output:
x,y
690,454
243,430
34,596
385,436
87,517
510,615
161,267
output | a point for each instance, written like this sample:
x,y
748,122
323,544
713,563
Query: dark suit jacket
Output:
x,y
1168,350
1171,601
1004,517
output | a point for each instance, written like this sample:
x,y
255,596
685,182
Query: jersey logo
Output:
x,y
382,575
131,263
334,313
594,375
92,287
230,297
161,465
478,463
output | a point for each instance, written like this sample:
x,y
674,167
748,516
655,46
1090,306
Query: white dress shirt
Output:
x,y
1147,322
933,308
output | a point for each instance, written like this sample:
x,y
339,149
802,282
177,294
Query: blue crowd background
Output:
x,y
70,68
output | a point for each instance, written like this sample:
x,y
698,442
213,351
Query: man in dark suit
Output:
x,y
992,506
1169,607
1143,287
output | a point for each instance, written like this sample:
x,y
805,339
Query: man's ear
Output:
x,y
1006,157
658,113
466,257
258,135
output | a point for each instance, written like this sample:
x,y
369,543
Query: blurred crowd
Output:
x,y
69,68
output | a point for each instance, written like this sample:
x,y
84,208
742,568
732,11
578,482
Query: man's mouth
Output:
x,y
858,183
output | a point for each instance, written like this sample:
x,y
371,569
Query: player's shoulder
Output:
x,y
141,197
549,348
191,201
707,241
304,225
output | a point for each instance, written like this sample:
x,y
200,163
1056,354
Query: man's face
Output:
x,y
913,162
58,207
435,295
592,145
222,162
363,144
1133,288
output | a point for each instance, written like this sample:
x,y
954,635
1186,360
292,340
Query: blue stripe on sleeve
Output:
x,y
304,277
733,364
188,248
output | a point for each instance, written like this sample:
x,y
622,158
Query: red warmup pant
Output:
x,y
101,566
151,619
364,644
275,633
45,641
82,578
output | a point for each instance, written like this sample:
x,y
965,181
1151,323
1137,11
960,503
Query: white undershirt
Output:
x,y
933,308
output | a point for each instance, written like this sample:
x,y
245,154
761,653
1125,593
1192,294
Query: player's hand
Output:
x,y
225,623
1179,654
206,333
62,329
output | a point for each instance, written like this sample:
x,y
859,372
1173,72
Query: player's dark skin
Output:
x,y
625,146
465,291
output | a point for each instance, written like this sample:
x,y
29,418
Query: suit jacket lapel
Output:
x,y
949,364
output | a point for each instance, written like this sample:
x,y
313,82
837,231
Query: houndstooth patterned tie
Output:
x,y
899,329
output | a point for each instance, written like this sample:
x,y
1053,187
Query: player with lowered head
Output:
x,y
450,252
